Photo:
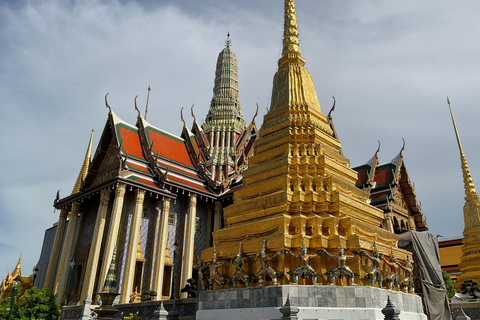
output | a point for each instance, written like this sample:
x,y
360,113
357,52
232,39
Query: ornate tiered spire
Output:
x,y
292,84
86,164
291,44
224,122
470,192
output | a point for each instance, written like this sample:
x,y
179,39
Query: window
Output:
x,y
171,218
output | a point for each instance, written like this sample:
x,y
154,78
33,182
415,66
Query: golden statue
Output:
x,y
265,269
341,270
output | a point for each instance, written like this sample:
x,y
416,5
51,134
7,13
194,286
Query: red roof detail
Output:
x,y
170,148
140,168
383,176
187,183
131,142
147,182
361,176
377,195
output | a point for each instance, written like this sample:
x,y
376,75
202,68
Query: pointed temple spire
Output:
x,y
18,268
291,44
293,85
471,216
224,122
85,166
470,192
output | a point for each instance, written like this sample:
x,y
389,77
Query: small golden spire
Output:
x,y
470,192
18,268
148,98
291,45
85,166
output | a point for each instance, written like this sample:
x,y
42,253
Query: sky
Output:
x,y
390,65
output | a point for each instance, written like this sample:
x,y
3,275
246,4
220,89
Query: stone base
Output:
x,y
314,302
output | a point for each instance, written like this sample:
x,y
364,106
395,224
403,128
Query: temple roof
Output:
x,y
385,181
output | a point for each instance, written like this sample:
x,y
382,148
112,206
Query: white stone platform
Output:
x,y
314,302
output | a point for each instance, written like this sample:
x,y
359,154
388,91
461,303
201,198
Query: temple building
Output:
x,y
152,198
470,260
392,192
25,282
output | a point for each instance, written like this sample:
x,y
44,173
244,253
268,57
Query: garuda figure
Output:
x,y
265,268
304,269
341,270
375,273
407,281
239,274
215,276
392,278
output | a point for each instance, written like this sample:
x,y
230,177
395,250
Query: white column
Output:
x,y
160,247
111,243
55,255
67,252
95,246
128,273
188,242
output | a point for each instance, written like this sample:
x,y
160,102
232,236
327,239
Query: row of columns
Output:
x,y
63,248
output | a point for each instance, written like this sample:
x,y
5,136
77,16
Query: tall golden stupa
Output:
x,y
470,260
299,191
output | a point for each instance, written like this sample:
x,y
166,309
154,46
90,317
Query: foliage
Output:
x,y
448,284
5,307
149,295
133,317
190,288
470,287
33,304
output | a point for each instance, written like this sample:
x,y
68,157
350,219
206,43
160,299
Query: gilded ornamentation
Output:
x,y
214,276
265,268
239,274
407,281
392,279
374,274
341,270
304,269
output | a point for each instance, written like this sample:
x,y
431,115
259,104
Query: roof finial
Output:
x,y
148,98
333,108
106,104
378,150
228,42
403,147
136,107
181,117
470,192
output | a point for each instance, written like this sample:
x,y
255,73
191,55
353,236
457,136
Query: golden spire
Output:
x,y
85,166
291,44
18,269
292,84
470,192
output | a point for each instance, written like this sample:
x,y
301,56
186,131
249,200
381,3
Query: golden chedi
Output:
x,y
299,198
470,260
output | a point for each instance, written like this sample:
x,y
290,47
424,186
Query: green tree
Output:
x,y
470,287
448,284
34,304
5,307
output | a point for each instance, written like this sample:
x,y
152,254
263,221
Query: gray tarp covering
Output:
x,y
427,261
